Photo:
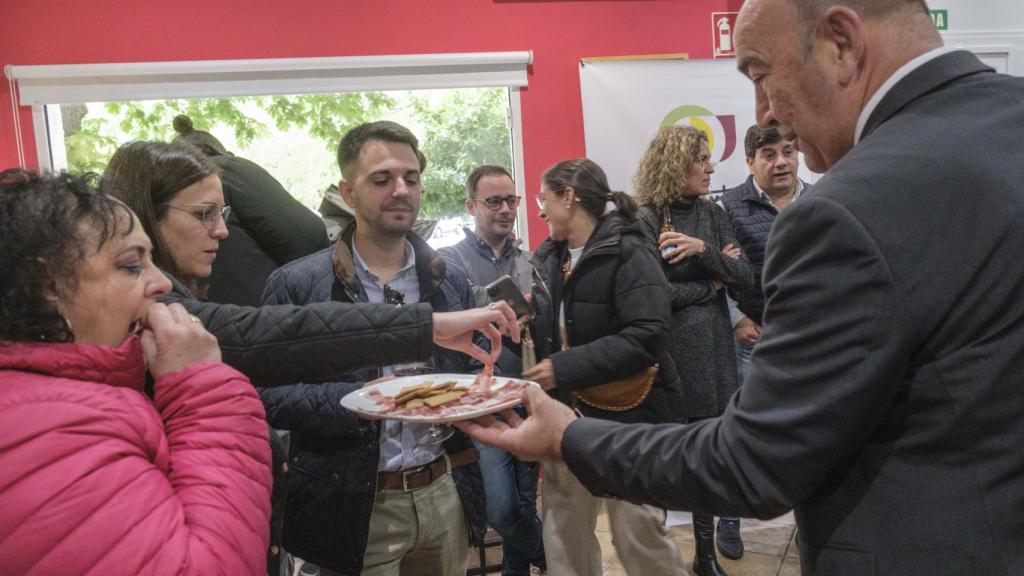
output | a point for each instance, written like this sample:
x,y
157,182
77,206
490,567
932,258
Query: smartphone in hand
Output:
x,y
505,289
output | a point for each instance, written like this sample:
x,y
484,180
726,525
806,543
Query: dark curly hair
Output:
x,y
146,175
49,223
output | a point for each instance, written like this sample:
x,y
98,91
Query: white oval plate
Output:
x,y
358,401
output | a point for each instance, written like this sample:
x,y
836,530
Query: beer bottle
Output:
x,y
666,226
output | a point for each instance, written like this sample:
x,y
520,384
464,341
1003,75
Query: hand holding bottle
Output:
x,y
675,246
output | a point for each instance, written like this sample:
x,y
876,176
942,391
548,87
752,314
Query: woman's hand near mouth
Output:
x,y
173,339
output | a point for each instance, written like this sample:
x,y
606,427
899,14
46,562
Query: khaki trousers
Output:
x,y
418,533
644,546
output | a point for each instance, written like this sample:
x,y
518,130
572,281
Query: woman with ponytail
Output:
x,y
601,338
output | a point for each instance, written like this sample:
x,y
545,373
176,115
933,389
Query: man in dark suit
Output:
x,y
885,400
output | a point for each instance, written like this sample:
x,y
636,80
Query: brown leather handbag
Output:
x,y
619,395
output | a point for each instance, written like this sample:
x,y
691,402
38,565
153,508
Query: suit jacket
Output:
x,y
885,401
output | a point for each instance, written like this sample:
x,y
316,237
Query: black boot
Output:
x,y
705,562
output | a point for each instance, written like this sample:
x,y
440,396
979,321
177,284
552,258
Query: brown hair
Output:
x,y
758,138
590,184
479,173
206,143
352,142
147,175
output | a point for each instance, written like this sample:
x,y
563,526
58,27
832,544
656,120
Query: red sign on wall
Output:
x,y
722,26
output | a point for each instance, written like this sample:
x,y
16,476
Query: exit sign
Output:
x,y
940,18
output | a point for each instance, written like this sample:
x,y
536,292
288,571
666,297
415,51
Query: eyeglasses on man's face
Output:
x,y
205,213
495,202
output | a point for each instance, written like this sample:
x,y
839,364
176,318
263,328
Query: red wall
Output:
x,y
558,32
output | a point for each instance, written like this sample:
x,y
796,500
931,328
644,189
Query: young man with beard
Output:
x,y
375,497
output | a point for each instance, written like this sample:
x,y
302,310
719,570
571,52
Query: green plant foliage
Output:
x,y
328,116
458,130
88,150
466,129
141,122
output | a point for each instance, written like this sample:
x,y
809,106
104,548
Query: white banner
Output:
x,y
626,102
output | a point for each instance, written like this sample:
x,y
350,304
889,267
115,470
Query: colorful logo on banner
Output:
x,y
722,26
721,130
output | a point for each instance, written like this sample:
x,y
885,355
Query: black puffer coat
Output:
x,y
334,455
279,345
617,318
268,228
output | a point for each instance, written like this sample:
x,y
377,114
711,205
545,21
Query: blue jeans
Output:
x,y
743,352
511,490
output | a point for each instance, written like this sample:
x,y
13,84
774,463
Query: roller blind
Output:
x,y
77,83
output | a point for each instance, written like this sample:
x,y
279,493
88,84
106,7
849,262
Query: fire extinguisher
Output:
x,y
724,35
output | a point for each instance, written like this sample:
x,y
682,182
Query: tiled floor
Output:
x,y
770,549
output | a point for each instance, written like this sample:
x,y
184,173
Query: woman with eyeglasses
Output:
x,y
177,193
700,256
603,320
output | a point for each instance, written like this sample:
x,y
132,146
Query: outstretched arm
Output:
x,y
794,419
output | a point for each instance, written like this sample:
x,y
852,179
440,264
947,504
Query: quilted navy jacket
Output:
x,y
334,455
751,217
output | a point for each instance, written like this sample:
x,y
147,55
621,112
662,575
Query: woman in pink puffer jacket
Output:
x,y
94,477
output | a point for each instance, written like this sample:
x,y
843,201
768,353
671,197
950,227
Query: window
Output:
x,y
408,80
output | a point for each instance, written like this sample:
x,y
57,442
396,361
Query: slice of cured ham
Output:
x,y
476,398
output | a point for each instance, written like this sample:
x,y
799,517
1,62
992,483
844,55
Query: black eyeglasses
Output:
x,y
205,213
495,202
392,296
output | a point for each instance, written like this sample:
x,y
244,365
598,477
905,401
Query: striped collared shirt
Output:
x,y
399,442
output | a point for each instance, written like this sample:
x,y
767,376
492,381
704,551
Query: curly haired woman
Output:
x,y
700,258
96,478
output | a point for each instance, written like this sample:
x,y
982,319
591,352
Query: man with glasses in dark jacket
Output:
x,y
488,252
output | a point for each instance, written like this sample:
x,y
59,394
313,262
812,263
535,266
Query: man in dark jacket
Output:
x,y
752,208
268,226
884,399
366,495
